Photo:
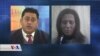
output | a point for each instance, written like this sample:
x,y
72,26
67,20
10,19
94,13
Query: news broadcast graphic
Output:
x,y
10,47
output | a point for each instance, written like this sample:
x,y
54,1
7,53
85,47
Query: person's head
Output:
x,y
29,20
68,22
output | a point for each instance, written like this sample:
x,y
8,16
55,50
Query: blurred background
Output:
x,y
92,49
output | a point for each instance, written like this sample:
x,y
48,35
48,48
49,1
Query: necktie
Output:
x,y
29,39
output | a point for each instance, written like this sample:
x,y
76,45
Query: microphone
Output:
x,y
61,38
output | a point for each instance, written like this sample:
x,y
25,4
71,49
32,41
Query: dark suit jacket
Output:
x,y
40,37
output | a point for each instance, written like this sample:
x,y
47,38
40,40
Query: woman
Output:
x,y
68,28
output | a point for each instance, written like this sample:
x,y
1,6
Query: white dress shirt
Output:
x,y
25,35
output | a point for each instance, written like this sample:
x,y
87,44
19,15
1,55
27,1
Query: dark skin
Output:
x,y
29,22
68,24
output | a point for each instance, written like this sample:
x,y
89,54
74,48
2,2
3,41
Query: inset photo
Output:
x,y
30,24
71,24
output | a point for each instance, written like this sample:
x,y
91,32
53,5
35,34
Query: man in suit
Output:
x,y
29,33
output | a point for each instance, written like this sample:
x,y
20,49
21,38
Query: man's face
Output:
x,y
68,24
29,22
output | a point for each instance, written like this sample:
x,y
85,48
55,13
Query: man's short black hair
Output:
x,y
32,10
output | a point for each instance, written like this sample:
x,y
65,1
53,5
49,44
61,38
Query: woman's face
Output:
x,y
68,24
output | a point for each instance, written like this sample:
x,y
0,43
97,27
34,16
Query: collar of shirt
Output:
x,y
26,38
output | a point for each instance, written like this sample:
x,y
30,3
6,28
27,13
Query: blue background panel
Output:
x,y
52,50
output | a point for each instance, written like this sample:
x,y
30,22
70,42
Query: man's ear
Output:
x,y
20,20
38,22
